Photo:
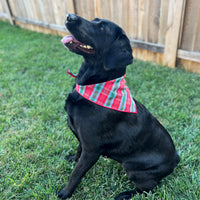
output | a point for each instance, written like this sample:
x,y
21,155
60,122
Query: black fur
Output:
x,y
137,141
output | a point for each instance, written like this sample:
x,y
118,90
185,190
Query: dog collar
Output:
x,y
71,74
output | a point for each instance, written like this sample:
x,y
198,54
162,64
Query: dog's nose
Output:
x,y
71,18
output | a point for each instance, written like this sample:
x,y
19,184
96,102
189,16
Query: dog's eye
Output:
x,y
101,26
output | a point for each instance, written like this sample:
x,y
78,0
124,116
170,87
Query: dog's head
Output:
x,y
98,38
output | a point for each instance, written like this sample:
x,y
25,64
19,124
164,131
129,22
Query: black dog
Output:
x,y
136,140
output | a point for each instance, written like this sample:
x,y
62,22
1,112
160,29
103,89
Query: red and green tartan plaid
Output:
x,y
112,94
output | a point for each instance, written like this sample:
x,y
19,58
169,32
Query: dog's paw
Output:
x,y
126,195
63,194
70,159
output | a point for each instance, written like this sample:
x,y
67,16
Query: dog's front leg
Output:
x,y
86,161
78,154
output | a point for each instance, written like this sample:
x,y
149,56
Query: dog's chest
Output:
x,y
72,102
78,107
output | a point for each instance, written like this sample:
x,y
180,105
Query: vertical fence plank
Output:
x,y
176,8
69,6
141,8
133,22
145,22
91,10
25,8
85,9
163,21
153,26
132,19
153,23
60,11
140,35
103,9
13,7
2,9
191,27
9,12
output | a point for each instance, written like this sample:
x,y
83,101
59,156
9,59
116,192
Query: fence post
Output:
x,y
9,12
174,24
74,6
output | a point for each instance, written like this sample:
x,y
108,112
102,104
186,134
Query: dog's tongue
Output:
x,y
68,38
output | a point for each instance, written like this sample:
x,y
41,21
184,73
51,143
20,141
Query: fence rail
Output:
x,y
163,31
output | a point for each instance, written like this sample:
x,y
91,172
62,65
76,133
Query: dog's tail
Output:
x,y
127,194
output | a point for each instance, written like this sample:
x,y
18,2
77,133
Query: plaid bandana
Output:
x,y
112,94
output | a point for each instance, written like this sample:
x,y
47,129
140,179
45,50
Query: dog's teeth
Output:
x,y
89,47
86,46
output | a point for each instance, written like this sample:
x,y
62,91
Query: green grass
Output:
x,y
35,139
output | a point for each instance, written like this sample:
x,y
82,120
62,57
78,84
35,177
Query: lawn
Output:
x,y
35,139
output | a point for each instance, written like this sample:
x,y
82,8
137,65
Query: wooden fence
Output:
x,y
163,31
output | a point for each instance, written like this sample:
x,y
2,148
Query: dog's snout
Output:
x,y
71,18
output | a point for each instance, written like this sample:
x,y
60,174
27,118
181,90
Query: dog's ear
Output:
x,y
119,53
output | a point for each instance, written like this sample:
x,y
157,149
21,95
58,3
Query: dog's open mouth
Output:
x,y
73,44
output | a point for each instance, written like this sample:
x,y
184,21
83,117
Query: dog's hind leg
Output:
x,y
146,186
78,153
144,181
75,157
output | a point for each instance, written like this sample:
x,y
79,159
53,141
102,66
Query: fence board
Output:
x,y
69,6
42,11
188,55
40,23
103,9
132,19
189,65
163,21
140,19
141,8
29,13
154,20
145,21
191,29
22,9
26,8
13,7
148,46
119,12
85,9
8,11
2,7
173,28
